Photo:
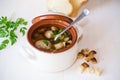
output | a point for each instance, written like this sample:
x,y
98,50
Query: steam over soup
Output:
x,y
43,38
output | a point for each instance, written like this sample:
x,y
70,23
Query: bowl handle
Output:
x,y
28,54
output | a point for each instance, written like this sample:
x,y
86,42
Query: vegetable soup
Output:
x,y
43,38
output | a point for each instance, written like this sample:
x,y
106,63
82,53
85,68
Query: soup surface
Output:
x,y
43,38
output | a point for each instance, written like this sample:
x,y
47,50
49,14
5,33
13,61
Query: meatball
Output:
x,y
49,34
44,44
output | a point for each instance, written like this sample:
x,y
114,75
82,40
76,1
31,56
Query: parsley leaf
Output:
x,y
45,42
4,44
22,30
2,33
13,37
8,28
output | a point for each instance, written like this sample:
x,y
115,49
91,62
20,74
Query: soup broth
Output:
x,y
43,38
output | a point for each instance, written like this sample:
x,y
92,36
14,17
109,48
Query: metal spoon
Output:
x,y
82,15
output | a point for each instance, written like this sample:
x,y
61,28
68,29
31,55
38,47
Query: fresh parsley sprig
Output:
x,y
45,42
8,28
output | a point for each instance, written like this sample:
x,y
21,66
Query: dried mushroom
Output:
x,y
90,70
80,55
85,51
98,72
90,55
83,67
93,60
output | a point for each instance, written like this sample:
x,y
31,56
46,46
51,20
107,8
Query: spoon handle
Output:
x,y
82,15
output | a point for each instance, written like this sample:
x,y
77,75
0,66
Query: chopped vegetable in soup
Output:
x,y
43,38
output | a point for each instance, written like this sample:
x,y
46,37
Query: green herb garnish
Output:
x,y
4,44
65,34
45,42
55,32
22,30
59,31
8,28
